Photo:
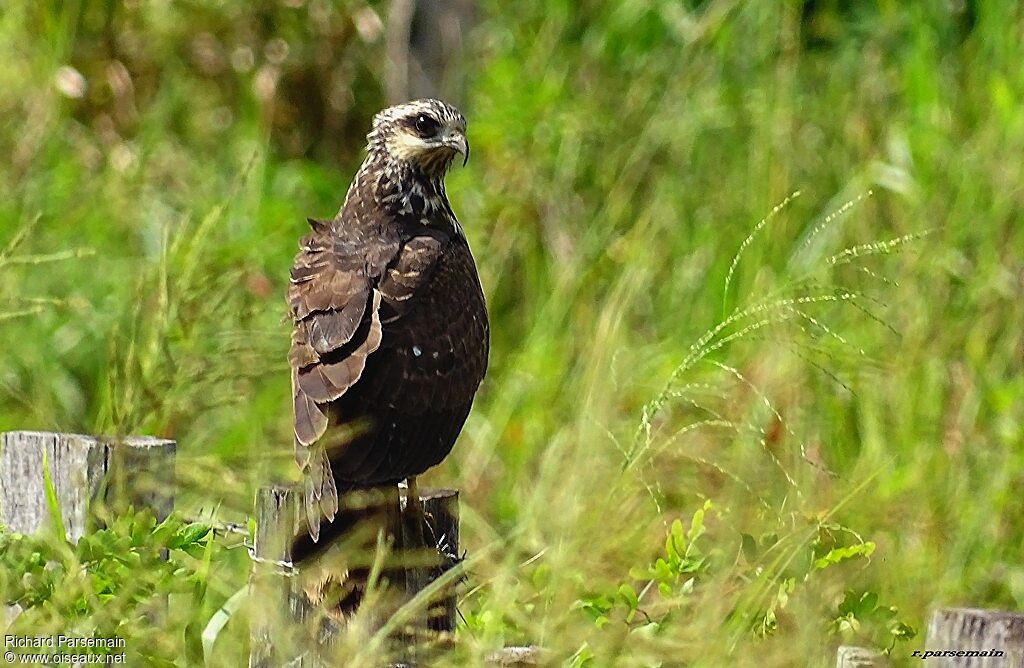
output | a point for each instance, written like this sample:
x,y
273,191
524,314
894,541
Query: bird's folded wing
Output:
x,y
431,302
335,306
416,262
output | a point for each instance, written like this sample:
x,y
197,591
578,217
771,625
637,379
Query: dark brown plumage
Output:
x,y
391,334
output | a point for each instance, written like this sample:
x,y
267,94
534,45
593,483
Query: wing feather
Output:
x,y
335,306
310,420
332,328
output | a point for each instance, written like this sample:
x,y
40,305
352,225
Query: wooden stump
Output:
x,y
968,637
89,475
278,603
440,553
299,607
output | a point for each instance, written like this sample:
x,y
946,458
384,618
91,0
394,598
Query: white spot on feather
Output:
x,y
416,351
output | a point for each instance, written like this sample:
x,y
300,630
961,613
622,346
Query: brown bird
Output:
x,y
391,333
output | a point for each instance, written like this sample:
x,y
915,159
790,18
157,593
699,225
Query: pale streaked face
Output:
x,y
423,133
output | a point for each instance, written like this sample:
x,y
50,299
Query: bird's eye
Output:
x,y
425,125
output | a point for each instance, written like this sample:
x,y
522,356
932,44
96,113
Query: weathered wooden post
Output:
x,y
848,656
279,603
967,637
88,474
288,627
441,507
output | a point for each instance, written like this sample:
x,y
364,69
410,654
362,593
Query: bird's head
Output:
x,y
422,134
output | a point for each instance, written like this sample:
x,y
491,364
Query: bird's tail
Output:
x,y
355,507
321,491
336,580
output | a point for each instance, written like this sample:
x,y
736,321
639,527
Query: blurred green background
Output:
x,y
852,380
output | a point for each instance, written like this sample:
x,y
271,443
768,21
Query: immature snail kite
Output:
x,y
391,334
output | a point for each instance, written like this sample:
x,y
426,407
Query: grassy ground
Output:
x,y
830,406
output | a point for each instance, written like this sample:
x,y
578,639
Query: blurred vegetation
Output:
x,y
109,582
702,439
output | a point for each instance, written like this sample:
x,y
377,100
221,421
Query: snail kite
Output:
x,y
391,333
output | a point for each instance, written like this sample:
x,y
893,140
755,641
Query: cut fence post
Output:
x,y
279,601
848,656
290,628
441,507
297,606
87,474
987,638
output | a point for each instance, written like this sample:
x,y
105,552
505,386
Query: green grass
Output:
x,y
854,425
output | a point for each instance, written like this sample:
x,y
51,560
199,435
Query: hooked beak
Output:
x,y
457,141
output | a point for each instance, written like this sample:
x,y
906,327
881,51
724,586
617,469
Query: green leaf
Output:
x,y
188,536
839,554
164,532
901,631
697,524
675,542
858,605
628,594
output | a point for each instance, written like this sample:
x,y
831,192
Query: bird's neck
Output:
x,y
402,192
